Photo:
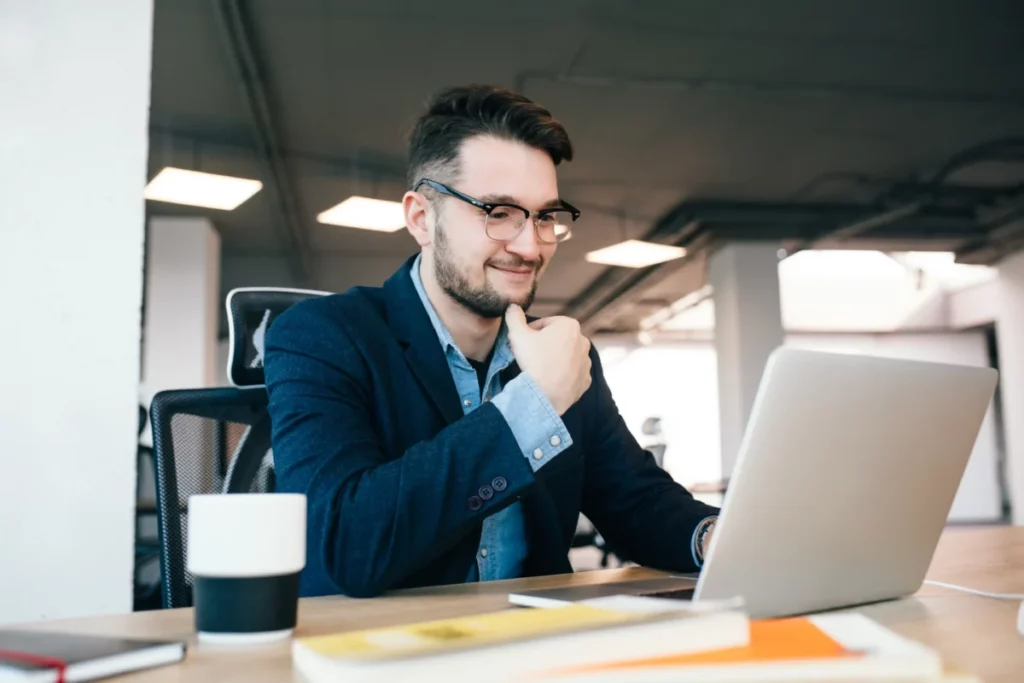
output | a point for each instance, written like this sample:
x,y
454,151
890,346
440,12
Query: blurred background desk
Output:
x,y
977,634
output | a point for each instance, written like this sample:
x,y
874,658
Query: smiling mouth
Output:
x,y
514,271
519,269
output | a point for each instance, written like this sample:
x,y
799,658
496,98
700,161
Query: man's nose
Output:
x,y
525,245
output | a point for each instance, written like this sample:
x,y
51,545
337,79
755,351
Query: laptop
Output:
x,y
843,484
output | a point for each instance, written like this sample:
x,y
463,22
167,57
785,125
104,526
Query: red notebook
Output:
x,y
46,656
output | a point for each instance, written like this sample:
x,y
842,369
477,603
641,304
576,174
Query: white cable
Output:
x,y
975,591
986,594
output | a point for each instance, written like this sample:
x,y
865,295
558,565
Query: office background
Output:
x,y
844,176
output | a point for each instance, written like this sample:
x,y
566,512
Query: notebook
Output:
x,y
511,644
847,647
47,656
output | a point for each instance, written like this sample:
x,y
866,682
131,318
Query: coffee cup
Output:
x,y
245,553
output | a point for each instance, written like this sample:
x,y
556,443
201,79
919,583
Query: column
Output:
x,y
73,150
1010,340
748,327
183,305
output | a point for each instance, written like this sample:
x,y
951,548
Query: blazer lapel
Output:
x,y
431,369
423,353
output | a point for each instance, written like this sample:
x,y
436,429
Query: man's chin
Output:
x,y
524,302
516,294
520,298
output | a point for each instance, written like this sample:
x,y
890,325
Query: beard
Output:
x,y
484,301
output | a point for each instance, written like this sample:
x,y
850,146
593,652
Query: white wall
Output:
x,y
857,291
862,305
223,351
183,304
974,306
685,397
1010,330
978,496
73,139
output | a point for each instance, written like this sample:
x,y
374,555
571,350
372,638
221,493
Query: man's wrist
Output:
x,y
703,533
553,399
538,430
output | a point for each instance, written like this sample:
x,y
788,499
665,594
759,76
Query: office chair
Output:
x,y
656,444
146,594
215,440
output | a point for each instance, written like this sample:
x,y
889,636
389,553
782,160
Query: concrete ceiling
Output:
x,y
670,105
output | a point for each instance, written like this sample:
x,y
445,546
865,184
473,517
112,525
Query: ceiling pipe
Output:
x,y
860,226
242,53
699,225
633,293
240,142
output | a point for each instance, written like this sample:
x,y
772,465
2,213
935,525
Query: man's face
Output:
x,y
482,274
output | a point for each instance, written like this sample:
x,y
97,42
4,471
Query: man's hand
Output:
x,y
554,353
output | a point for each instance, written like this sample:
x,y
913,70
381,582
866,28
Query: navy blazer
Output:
x,y
367,423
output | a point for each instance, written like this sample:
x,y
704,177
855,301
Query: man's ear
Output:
x,y
417,212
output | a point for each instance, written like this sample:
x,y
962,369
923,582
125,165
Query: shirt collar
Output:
x,y
502,349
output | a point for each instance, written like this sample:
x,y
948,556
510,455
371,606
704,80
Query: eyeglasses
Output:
x,y
503,222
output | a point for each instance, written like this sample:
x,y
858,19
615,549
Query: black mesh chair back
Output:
x,y
197,436
215,440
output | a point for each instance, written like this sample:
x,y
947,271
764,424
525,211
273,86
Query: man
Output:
x,y
441,437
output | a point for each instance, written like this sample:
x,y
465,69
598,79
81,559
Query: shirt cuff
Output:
x,y
698,558
538,429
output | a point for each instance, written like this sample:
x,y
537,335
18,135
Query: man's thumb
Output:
x,y
516,320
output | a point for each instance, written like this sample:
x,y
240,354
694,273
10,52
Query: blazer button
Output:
x,y
475,503
486,492
499,484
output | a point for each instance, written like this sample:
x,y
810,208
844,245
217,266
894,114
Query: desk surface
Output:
x,y
977,634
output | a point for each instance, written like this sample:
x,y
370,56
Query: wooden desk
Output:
x,y
978,634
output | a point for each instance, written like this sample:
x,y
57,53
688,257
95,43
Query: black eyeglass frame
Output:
x,y
488,207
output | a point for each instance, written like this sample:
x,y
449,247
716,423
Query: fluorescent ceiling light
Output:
x,y
195,188
366,214
635,254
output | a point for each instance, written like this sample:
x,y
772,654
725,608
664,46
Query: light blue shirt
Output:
x,y
537,428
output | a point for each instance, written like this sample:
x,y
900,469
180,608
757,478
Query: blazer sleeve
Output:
x,y
641,511
375,519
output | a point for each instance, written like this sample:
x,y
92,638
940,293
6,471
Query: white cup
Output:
x,y
246,552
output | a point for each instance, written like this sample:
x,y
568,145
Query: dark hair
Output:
x,y
455,114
